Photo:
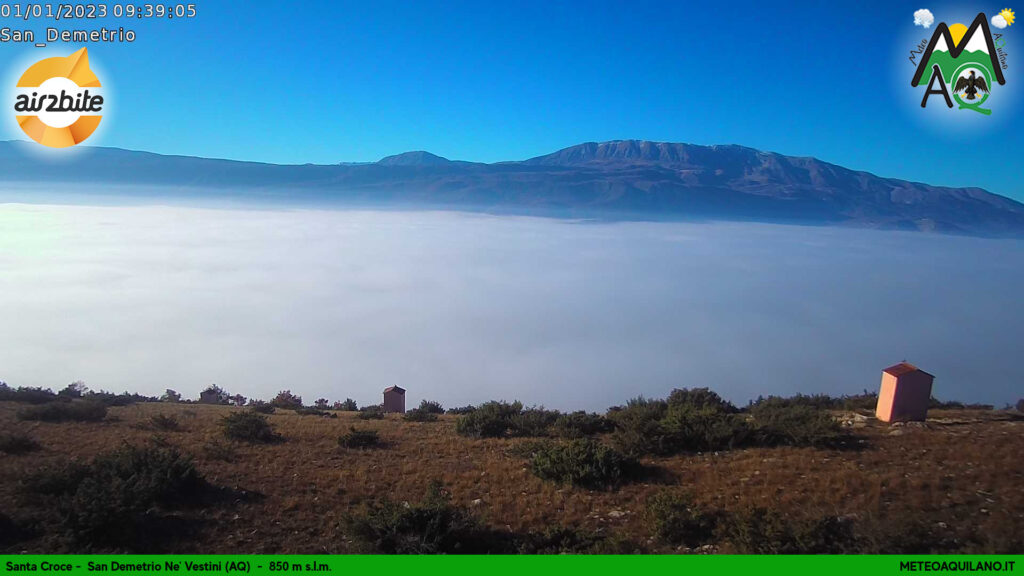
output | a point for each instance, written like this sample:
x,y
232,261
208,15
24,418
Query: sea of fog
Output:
x,y
462,308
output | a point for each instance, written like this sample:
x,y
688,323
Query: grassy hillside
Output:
x,y
953,484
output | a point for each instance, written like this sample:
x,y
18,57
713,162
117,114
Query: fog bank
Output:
x,y
464,308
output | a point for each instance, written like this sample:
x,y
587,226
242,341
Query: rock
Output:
x,y
616,514
896,433
477,502
706,549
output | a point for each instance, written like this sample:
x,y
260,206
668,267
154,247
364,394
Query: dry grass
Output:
x,y
961,472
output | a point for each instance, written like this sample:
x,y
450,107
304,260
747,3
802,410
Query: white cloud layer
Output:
x,y
465,308
999,21
923,17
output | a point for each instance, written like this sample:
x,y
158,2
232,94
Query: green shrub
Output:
x,y
165,422
638,428
286,400
936,404
349,405
249,427
359,439
375,413
315,412
263,408
675,519
694,428
106,501
462,410
431,407
17,443
583,462
794,425
701,399
65,412
865,401
491,420
419,415
26,395
766,531
432,526
580,424
564,540
122,399
532,422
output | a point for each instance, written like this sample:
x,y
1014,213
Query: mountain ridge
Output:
x,y
618,179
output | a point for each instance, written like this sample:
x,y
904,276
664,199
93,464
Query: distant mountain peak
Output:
x,y
415,158
633,151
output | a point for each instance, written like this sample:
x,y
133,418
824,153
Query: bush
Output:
x,y
936,404
249,427
17,443
865,401
794,425
491,420
164,422
638,428
700,421
73,390
418,415
585,463
261,407
563,540
702,428
579,424
122,399
700,399
765,531
532,422
286,400
106,501
349,405
676,520
359,439
26,395
374,413
314,412
65,412
462,410
432,526
431,407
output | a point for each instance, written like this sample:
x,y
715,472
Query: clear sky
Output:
x,y
332,81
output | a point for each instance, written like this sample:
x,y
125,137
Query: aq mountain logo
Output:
x,y
58,101
962,63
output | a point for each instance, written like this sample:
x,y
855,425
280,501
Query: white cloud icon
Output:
x,y
923,17
999,21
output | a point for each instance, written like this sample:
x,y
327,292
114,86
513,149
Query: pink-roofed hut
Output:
x,y
905,394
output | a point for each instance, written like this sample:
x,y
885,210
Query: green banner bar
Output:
x,y
500,565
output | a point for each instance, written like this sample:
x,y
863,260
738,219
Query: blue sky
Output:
x,y
333,81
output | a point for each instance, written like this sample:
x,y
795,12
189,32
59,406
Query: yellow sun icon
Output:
x,y
1007,15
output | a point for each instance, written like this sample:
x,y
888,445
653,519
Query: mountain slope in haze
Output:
x,y
625,179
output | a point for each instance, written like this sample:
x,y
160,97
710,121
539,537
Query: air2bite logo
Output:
x,y
58,101
961,63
